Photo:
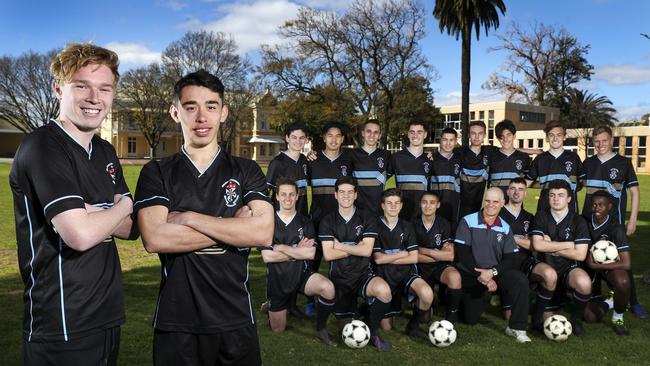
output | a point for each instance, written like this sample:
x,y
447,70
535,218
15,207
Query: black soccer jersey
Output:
x,y
204,291
571,227
370,170
473,177
68,294
520,224
350,232
324,173
391,241
488,243
445,180
615,176
284,166
434,237
412,178
609,230
504,168
546,168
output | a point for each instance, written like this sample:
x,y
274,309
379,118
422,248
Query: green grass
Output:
x,y
484,343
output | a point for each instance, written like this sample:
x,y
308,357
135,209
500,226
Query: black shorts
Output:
x,y
559,296
432,272
236,347
279,290
347,292
100,348
528,265
399,290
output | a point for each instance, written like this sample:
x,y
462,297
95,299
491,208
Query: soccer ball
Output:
x,y
557,328
604,252
442,333
356,334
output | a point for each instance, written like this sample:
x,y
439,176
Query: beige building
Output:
x,y
10,139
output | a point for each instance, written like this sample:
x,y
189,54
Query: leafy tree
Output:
x,y
585,111
458,18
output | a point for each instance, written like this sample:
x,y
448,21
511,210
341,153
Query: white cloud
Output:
x,y
325,4
454,98
623,74
173,4
632,112
133,53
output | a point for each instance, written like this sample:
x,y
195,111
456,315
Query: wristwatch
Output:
x,y
494,272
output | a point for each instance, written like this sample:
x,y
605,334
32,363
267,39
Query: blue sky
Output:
x,y
140,29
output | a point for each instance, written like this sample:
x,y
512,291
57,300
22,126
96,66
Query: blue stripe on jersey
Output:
x,y
151,198
391,251
506,175
597,183
59,199
369,174
31,270
472,222
323,182
459,241
301,183
65,326
547,178
400,179
446,179
476,172
250,303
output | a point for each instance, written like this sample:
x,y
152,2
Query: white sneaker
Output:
x,y
519,335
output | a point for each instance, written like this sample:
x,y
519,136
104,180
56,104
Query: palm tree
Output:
x,y
458,17
587,110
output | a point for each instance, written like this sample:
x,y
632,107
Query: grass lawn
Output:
x,y
481,344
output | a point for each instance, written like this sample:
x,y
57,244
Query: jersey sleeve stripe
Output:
x,y
60,199
151,198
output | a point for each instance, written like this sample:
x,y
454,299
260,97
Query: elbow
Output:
x,y
264,233
78,241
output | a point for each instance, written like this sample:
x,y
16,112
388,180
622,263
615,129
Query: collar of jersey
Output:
x,y
425,224
209,165
610,158
593,223
497,220
388,226
560,154
286,223
563,217
513,215
289,156
90,145
328,158
344,219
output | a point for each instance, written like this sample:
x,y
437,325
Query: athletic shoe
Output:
x,y
519,335
310,310
324,338
495,300
264,309
639,311
610,297
379,343
578,329
416,332
619,327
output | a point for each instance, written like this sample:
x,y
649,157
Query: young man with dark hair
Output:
x,y
614,173
287,269
521,223
370,168
561,237
445,177
556,163
70,201
395,255
507,163
411,169
196,209
291,163
436,252
603,227
485,252
348,238
475,160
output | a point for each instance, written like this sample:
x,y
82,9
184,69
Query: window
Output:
x,y
641,152
540,143
530,143
491,136
521,143
272,149
481,115
164,146
628,147
262,125
472,116
262,149
590,147
491,118
571,142
131,144
615,144
532,117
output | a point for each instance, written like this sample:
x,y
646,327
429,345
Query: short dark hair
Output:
x,y
601,129
417,123
603,194
518,180
431,193
345,180
199,78
477,123
338,125
554,124
390,193
284,181
369,121
294,127
560,184
449,130
506,124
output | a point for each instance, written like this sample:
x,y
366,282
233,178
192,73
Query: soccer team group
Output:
x,y
203,210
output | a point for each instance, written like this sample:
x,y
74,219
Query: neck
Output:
x,y
475,148
391,220
556,151
369,148
202,156
601,220
507,150
293,153
428,219
606,155
446,154
488,218
287,213
560,213
514,207
82,137
332,153
346,211
416,150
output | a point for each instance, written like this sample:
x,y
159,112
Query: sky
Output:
x,y
139,30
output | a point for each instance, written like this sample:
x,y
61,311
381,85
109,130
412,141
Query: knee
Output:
x,y
426,296
583,285
454,280
327,290
550,279
383,293
621,282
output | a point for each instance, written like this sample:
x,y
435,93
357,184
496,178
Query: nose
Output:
x,y
92,96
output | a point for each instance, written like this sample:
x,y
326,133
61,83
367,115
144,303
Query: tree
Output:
x,y
145,95
27,99
585,111
542,66
216,53
458,17
362,53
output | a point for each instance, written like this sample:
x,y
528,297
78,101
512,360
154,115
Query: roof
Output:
x,y
266,140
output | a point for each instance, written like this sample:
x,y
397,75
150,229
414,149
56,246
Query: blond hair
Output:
x,y
77,55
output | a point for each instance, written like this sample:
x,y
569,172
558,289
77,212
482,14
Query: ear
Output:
x,y
224,113
57,89
173,112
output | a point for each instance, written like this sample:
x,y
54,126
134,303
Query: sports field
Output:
x,y
482,344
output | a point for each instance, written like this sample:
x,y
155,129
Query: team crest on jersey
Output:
x,y
110,169
304,169
301,234
499,237
359,229
485,160
613,173
426,167
344,170
568,165
526,225
456,169
380,162
401,237
567,233
519,164
230,195
438,239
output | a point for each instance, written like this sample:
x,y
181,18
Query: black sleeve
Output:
x,y
619,237
410,239
150,190
582,231
308,229
271,174
326,230
510,258
533,171
526,162
631,180
539,226
370,227
447,236
254,184
463,252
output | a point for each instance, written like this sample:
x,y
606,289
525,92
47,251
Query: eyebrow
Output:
x,y
196,103
84,81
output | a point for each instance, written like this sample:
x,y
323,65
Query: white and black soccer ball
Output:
x,y
442,333
356,334
604,252
557,328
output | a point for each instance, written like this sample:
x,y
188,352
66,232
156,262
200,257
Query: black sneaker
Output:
x,y
324,338
416,332
379,343
619,327
264,309
578,329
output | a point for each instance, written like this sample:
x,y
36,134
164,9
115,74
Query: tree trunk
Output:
x,y
465,80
